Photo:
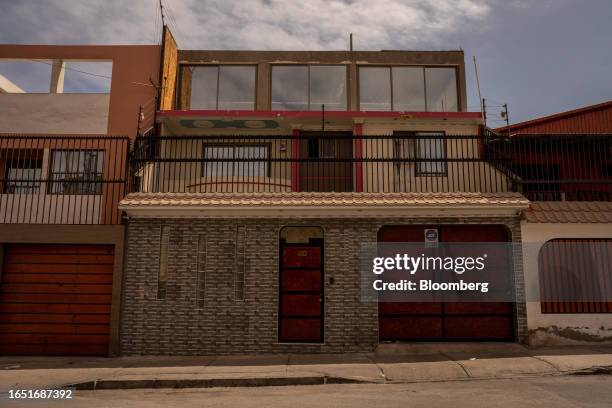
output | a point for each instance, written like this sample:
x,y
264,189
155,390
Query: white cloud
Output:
x,y
248,24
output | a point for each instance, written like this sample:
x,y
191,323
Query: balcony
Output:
x,y
319,162
62,180
541,167
557,167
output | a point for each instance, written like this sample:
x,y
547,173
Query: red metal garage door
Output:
x,y
445,321
56,299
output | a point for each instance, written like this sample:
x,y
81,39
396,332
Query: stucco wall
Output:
x,y
562,328
54,113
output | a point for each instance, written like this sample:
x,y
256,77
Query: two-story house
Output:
x,y
67,117
268,172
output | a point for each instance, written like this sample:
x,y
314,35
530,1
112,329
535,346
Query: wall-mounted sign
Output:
x,y
431,237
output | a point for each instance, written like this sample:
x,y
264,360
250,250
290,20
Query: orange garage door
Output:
x,y
56,299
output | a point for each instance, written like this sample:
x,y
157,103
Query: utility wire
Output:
x,y
71,69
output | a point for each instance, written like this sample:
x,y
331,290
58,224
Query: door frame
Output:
x,y
320,242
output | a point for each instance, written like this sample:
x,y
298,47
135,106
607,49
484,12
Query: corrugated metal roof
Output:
x,y
564,212
589,119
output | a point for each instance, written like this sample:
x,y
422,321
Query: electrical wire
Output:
x,y
71,69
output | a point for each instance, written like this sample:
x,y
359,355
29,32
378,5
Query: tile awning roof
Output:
x,y
564,212
323,204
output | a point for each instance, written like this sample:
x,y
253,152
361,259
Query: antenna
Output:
x,y
351,41
482,103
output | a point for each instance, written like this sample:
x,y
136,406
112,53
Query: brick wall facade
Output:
x,y
224,325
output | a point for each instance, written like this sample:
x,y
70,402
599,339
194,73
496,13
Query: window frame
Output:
x,y
430,135
268,160
423,67
52,181
308,65
565,307
33,185
181,93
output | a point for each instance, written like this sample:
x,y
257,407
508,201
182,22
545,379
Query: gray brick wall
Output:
x,y
224,325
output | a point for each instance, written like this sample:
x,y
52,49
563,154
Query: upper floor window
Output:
x,y
222,87
23,171
76,172
408,89
236,160
309,87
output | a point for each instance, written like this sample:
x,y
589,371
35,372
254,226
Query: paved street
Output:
x,y
558,392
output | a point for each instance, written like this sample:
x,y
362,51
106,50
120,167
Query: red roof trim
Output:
x,y
317,114
556,116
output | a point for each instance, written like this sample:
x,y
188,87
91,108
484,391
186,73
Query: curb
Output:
x,y
210,383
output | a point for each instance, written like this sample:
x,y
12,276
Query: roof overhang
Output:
x,y
322,205
569,212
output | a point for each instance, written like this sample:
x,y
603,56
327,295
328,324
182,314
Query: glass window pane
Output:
x,y
431,149
251,168
290,87
408,89
374,89
218,168
328,86
203,88
236,88
441,89
76,171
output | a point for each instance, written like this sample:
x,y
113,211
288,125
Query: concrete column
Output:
x,y
58,69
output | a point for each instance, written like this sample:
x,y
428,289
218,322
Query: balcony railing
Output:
x,y
62,180
557,167
317,162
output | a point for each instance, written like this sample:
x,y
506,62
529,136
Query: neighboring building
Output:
x,y
565,161
64,140
252,201
595,119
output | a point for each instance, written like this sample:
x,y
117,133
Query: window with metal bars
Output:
x,y
76,172
576,276
23,171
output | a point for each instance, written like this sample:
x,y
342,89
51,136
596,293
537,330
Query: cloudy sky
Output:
x,y
539,56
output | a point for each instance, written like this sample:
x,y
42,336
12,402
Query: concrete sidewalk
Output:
x,y
391,363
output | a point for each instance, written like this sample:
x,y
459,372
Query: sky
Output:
x,y
538,56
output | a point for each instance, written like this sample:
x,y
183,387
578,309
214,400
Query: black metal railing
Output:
x,y
62,179
557,167
318,162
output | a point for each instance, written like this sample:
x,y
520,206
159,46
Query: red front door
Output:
x,y
443,320
301,292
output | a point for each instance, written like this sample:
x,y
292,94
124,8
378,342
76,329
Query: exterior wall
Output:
x,y
71,234
227,326
54,113
133,68
560,328
265,59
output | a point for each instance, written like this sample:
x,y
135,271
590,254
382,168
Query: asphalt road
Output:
x,y
558,392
